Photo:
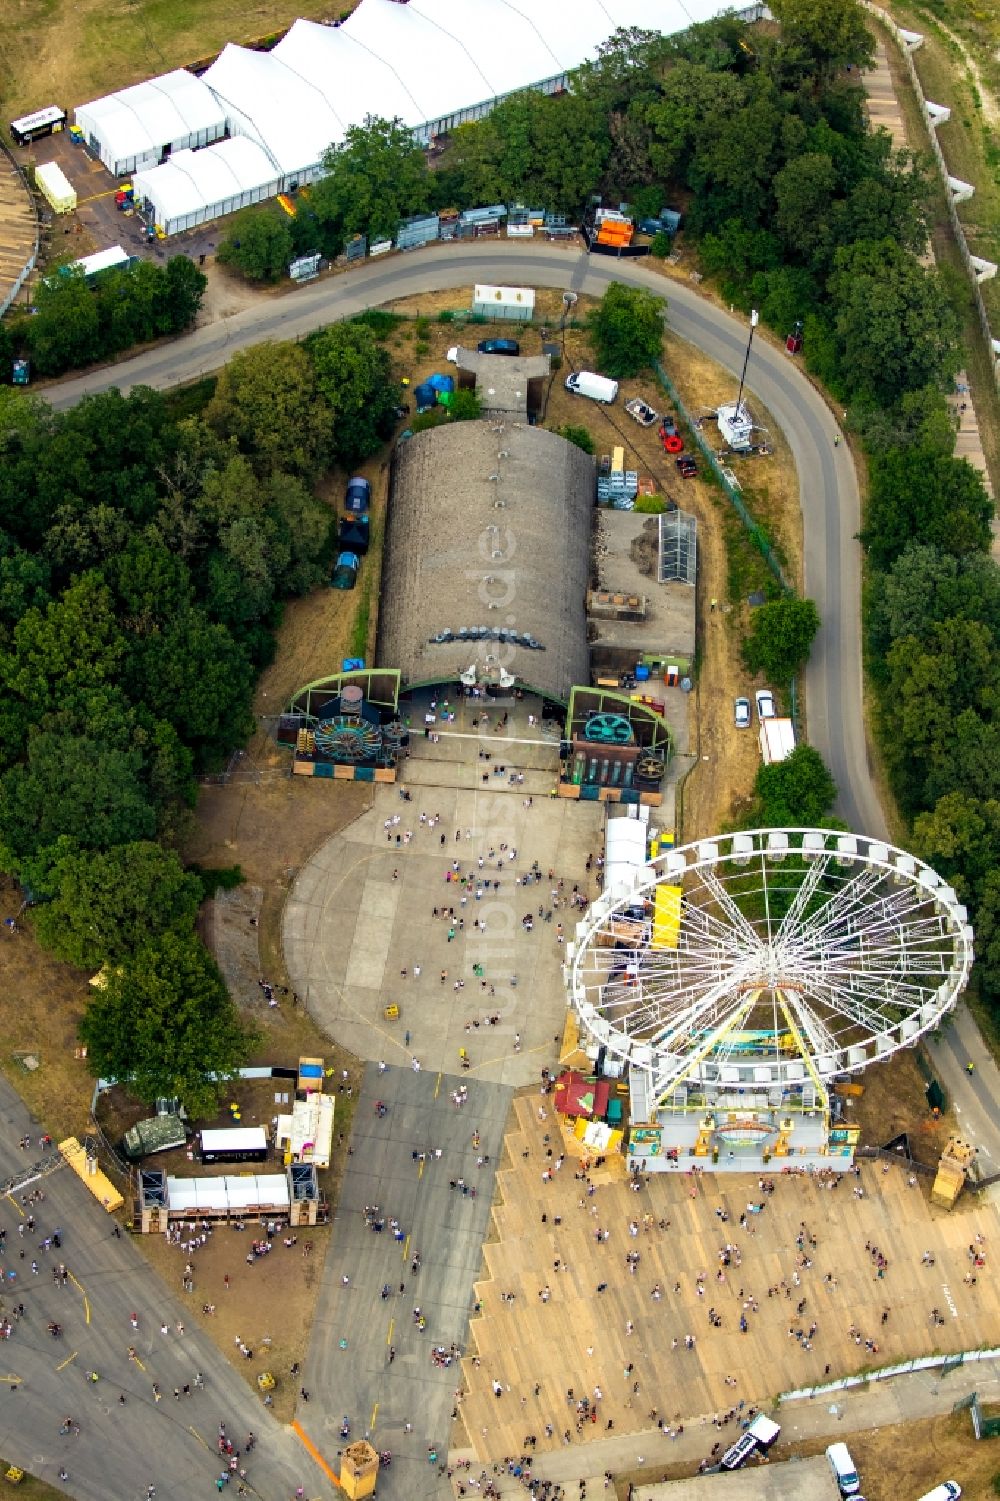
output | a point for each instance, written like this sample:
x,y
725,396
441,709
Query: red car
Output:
x,y
686,466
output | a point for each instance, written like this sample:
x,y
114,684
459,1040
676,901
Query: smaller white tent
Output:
x,y
624,852
135,127
196,186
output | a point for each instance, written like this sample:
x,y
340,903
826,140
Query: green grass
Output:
x,y
190,401
977,359
971,144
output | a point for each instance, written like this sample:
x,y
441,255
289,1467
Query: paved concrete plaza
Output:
x,y
361,910
562,1309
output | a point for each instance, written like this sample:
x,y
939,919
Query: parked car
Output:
x,y
741,713
686,466
596,387
948,1490
498,346
765,703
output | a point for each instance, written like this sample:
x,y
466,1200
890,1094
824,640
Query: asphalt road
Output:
x,y
356,1378
829,491
119,1451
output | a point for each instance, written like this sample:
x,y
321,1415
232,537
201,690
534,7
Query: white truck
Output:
x,y
777,739
597,387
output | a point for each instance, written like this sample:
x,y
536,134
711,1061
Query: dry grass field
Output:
x,y
68,51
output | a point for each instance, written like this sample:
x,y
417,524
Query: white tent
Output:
x,y
289,116
432,63
196,186
134,128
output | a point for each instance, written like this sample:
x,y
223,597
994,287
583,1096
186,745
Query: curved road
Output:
x,y
829,491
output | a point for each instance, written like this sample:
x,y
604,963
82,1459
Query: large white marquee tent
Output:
x,y
433,63
136,127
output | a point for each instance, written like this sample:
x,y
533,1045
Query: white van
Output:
x,y
843,1469
948,1490
597,387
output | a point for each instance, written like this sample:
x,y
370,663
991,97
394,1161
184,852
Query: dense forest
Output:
x,y
144,560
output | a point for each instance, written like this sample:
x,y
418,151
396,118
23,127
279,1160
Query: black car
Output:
x,y
498,346
686,465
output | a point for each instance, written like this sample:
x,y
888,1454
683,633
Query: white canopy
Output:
x,y
195,186
135,126
230,1195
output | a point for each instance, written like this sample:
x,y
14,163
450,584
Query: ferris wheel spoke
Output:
x,y
843,908
859,1007
741,924
791,922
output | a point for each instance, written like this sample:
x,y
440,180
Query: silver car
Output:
x,y
741,713
765,703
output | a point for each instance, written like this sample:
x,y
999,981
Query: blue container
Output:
x,y
642,673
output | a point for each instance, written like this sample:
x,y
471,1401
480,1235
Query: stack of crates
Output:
x,y
619,487
613,229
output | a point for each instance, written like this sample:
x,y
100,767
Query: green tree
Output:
x,y
627,329
579,436
267,401
258,244
73,786
164,1022
197,678
376,177
354,374
65,331
780,637
185,287
895,326
804,197
73,640
795,793
830,34
920,418
920,496
108,903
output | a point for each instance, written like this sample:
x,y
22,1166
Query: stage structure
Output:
x,y
737,979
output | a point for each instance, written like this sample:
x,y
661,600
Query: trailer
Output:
x,y
241,1144
42,122
640,411
777,740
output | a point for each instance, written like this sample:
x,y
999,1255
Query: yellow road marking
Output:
x,y
406,1247
437,1087
86,1302
12,1380
109,193
16,1205
371,1425
388,1337
204,1442
312,1449
66,1362
136,1361
420,1170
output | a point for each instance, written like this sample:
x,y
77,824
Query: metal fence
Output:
x,y
32,260
956,224
753,529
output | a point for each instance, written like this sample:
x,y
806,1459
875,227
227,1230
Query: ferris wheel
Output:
x,y
768,959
